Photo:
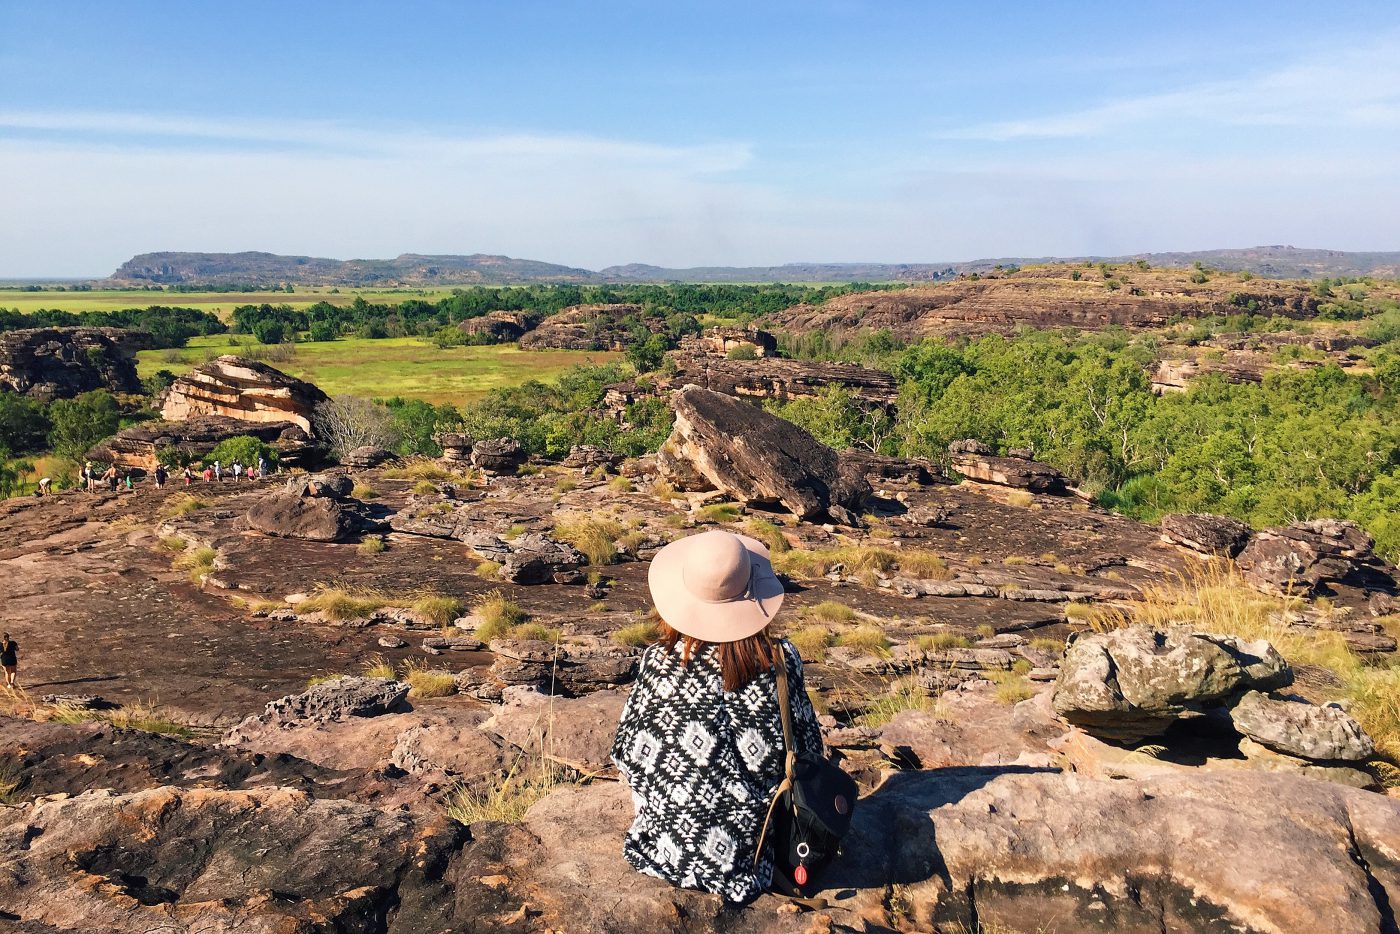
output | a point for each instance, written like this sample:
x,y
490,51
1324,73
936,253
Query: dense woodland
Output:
x,y
1319,441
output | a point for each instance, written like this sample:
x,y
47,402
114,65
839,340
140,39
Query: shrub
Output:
x,y
371,546
637,634
241,449
596,538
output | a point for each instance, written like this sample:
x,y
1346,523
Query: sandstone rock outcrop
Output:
x,y
337,699
499,455
244,389
140,446
588,327
976,461
721,443
532,558
1206,534
456,447
60,363
721,341
501,327
1305,556
366,457
1135,682
782,379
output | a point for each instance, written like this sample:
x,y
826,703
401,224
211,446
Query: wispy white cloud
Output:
x,y
1353,87
161,131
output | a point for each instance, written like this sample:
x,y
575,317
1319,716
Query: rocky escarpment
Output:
x,y
588,327
140,447
1043,297
499,327
782,379
247,390
59,363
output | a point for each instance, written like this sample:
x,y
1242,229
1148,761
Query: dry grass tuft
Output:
x,y
537,631
866,562
867,639
596,538
441,609
811,642
939,641
637,634
720,512
507,800
498,614
1012,686
620,485
363,490
1020,498
197,562
429,682
831,612
181,504
769,533
377,666
490,570
174,544
371,546
341,605
424,488
903,694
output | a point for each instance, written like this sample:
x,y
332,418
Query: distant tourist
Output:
x,y
218,471
189,475
262,467
45,486
161,475
209,474
113,478
9,660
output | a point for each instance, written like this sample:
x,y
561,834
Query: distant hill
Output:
x,y
261,269
412,269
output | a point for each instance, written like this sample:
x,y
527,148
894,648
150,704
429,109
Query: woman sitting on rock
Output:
x,y
701,738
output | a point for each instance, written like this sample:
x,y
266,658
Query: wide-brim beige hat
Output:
x,y
716,586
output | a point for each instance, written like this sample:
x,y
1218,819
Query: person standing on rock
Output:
x,y
218,471
9,660
701,742
262,467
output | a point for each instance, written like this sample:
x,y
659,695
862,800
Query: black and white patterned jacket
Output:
x,y
702,764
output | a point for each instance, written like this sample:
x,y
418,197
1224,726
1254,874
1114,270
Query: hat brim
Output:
x,y
724,621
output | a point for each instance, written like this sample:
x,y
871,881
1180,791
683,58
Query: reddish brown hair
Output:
x,y
739,662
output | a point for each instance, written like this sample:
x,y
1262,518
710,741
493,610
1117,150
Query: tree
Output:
x,y
323,331
349,422
24,425
80,423
240,449
269,332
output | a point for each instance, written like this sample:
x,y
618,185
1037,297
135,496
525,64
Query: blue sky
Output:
x,y
693,133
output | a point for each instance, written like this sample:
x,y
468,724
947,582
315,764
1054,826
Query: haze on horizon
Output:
x,y
692,134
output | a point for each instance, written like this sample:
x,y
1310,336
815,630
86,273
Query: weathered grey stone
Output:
x,y
1301,729
1206,534
1134,682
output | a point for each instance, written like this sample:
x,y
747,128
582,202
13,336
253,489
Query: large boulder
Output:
x,y
577,732
315,518
1131,683
500,327
1304,556
1301,729
456,446
499,455
60,363
367,456
1206,534
975,461
756,457
243,389
779,378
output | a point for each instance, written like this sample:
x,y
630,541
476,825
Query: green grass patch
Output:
x,y
196,562
830,611
181,504
769,533
903,694
811,642
940,641
342,605
498,615
720,512
637,634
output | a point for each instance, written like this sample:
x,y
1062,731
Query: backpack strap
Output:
x,y
779,658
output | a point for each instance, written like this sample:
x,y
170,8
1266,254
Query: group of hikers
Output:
x,y
94,478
